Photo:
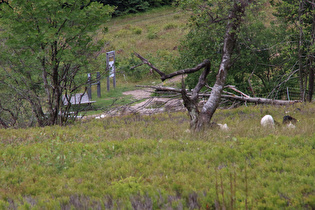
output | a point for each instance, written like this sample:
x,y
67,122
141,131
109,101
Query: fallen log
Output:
x,y
258,100
248,99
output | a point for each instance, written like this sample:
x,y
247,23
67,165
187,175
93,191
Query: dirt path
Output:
x,y
139,94
145,93
156,101
150,104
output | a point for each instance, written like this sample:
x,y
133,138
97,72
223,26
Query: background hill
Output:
x,y
155,162
155,34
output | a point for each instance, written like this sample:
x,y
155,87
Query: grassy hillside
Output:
x,y
154,162
159,30
154,34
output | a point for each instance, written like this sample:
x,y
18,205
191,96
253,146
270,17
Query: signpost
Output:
x,y
110,67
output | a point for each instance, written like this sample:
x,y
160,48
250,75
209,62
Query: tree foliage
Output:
x,y
46,48
231,19
265,61
298,18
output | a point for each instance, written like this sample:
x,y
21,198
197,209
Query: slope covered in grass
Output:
x,y
155,34
156,31
155,162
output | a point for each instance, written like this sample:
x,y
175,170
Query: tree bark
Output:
x,y
213,102
301,70
201,119
248,99
260,100
311,58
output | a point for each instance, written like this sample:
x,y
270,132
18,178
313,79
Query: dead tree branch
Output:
x,y
248,99
199,120
180,72
232,87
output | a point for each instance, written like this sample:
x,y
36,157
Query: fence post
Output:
x,y
288,95
98,77
108,85
89,91
114,79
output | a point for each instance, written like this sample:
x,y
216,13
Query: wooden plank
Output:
x,y
77,99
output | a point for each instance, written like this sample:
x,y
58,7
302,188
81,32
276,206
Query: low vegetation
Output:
x,y
154,162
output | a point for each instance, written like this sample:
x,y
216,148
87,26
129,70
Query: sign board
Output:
x,y
110,67
110,63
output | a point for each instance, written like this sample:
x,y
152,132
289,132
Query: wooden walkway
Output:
x,y
77,99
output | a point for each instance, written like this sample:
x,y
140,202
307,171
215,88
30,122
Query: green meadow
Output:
x,y
156,162
145,162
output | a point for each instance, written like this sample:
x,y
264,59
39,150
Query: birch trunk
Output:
x,y
200,119
229,43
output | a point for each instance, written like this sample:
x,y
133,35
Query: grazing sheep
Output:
x,y
267,121
290,125
223,127
288,119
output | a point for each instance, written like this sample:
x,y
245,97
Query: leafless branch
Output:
x,y
232,87
180,72
136,66
248,99
312,3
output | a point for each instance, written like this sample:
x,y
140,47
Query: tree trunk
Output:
x,y
213,102
199,120
311,58
300,43
248,99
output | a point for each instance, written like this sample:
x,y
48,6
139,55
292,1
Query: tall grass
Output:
x,y
154,162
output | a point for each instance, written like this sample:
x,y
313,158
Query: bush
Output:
x,y
170,26
152,35
136,30
135,74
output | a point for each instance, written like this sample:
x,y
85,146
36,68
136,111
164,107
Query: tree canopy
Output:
x,y
266,59
46,48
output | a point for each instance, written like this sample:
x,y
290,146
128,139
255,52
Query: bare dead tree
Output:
x,y
201,118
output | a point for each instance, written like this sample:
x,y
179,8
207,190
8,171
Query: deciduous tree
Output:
x,y
231,13
46,46
299,19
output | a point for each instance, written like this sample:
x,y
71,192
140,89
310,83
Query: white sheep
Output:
x,y
267,121
290,125
224,127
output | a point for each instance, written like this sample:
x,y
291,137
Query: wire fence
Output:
x,y
288,93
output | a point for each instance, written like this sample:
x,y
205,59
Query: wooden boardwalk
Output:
x,y
77,99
